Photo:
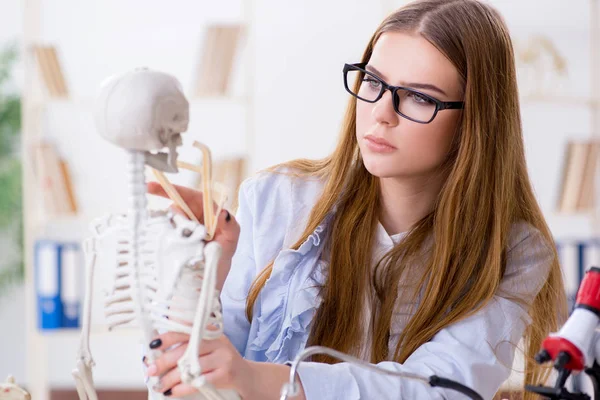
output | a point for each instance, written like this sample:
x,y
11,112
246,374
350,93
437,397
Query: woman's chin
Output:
x,y
380,169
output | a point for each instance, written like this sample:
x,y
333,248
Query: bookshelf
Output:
x,y
48,92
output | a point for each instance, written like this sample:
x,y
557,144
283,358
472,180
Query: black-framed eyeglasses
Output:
x,y
409,103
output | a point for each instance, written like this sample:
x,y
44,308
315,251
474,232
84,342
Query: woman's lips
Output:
x,y
378,145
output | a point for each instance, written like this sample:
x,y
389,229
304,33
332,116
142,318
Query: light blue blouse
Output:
x,y
273,211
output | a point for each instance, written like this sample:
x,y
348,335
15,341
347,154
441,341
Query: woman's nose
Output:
x,y
383,110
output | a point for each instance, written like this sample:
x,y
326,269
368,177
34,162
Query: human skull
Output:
x,y
143,110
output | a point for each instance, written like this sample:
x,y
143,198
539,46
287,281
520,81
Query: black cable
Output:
x,y
435,380
290,388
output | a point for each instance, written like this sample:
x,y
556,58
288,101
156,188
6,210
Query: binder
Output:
x,y
71,267
47,284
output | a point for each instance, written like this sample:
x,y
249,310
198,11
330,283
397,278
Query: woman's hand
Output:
x,y
227,232
222,365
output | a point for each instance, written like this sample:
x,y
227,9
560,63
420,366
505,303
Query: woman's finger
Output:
x,y
219,378
169,380
192,197
180,390
168,339
167,361
211,361
228,229
208,346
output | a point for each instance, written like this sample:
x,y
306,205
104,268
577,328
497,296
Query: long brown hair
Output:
x,y
487,190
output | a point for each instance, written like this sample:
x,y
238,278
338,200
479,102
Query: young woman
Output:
x,y
418,245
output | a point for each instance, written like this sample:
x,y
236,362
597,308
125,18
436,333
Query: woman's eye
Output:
x,y
373,84
417,98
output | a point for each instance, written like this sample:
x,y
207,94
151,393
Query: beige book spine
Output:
x,y
228,54
206,62
574,176
59,78
588,186
68,184
45,69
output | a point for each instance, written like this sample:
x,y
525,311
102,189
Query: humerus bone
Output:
x,y
158,268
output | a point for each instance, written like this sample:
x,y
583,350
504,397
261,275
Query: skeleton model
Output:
x,y
159,267
9,390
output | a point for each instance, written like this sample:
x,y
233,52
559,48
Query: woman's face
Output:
x,y
391,145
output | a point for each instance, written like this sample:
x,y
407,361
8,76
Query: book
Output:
x,y
587,198
217,60
572,176
45,69
66,176
50,70
204,85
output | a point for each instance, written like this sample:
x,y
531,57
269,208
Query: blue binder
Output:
x,y
71,267
47,284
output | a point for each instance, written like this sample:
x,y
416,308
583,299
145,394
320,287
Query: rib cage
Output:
x,y
171,294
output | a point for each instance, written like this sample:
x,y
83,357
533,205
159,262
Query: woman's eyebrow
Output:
x,y
426,86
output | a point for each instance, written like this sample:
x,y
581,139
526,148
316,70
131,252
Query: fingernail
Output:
x,y
152,370
155,343
228,216
168,392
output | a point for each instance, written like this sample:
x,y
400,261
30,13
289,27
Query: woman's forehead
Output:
x,y
402,58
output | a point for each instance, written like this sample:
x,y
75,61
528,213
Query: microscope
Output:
x,y
575,348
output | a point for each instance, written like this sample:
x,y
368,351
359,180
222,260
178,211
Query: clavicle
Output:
x,y
209,213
